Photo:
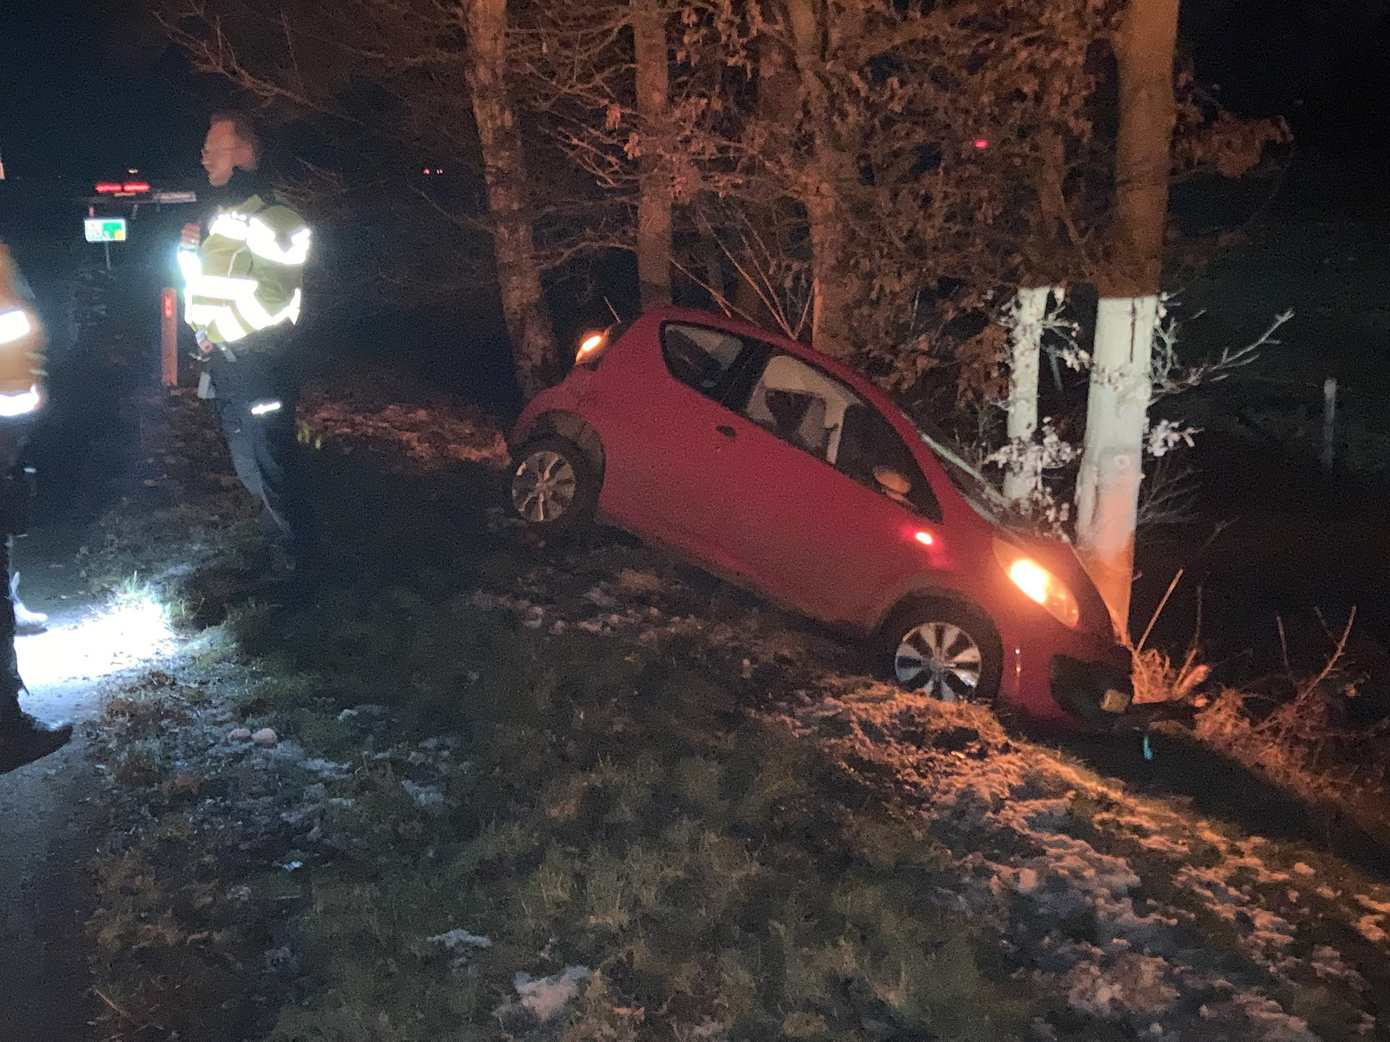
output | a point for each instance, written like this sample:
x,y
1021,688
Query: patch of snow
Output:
x,y
1132,985
1369,927
631,580
326,768
288,750
367,709
1378,907
1270,1020
544,997
430,797
601,598
1328,964
453,940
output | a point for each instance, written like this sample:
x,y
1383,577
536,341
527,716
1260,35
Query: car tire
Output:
x,y
554,488
946,650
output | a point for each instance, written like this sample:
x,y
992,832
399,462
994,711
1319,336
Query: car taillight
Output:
x,y
591,346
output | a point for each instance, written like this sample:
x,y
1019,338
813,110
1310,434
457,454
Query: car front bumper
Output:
x,y
1069,680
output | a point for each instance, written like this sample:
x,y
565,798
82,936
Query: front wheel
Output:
x,y
554,487
944,650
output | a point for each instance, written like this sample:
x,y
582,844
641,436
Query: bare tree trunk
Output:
x,y
1112,460
830,174
654,178
1025,343
779,104
518,276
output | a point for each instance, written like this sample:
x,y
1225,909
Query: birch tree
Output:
x,y
1107,493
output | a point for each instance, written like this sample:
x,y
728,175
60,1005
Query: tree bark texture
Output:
x,y
1025,343
654,176
829,174
1144,45
504,167
779,105
1126,314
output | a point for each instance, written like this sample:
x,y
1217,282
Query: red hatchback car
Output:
x,y
787,473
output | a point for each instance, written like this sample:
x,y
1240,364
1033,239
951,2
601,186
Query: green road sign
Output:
x,y
104,229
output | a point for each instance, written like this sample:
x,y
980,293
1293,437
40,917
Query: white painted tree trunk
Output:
x,y
1107,494
1025,343
1107,490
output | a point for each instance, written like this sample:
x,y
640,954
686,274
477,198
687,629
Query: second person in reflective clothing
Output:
x,y
243,296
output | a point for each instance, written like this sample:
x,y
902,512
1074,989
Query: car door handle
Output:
x,y
725,430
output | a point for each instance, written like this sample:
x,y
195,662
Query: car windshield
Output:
x,y
969,482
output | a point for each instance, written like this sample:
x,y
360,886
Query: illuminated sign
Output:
x,y
121,187
104,229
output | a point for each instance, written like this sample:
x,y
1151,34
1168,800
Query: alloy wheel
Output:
x,y
941,659
544,486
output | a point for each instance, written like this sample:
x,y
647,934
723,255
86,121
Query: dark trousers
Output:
x,y
10,684
256,399
14,502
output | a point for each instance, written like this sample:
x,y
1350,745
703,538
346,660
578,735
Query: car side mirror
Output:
x,y
892,482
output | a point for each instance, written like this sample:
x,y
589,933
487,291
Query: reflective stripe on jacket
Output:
x,y
22,341
247,275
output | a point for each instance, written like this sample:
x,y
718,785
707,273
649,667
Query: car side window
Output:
x,y
799,404
872,453
699,356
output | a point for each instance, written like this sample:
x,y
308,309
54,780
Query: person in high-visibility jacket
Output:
x,y
22,340
243,296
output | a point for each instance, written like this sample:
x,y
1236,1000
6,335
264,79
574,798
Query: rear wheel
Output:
x,y
554,487
943,650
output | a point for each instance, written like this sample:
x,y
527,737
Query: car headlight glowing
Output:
x,y
1038,584
13,325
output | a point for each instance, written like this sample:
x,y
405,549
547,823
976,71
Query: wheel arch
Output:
x,y
927,594
572,427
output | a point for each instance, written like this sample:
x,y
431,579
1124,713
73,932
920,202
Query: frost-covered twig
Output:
x,y
1170,378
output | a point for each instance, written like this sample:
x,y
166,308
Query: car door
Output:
x,y
814,527
665,430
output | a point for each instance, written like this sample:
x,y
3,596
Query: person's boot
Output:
x,y
24,739
25,621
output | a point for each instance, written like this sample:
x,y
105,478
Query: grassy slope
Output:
x,y
563,753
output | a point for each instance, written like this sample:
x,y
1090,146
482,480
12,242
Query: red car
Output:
x,y
787,473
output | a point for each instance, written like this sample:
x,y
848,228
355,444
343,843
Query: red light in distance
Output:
x,y
981,143
136,186
107,187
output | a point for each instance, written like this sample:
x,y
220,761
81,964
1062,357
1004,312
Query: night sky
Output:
x,y
90,88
